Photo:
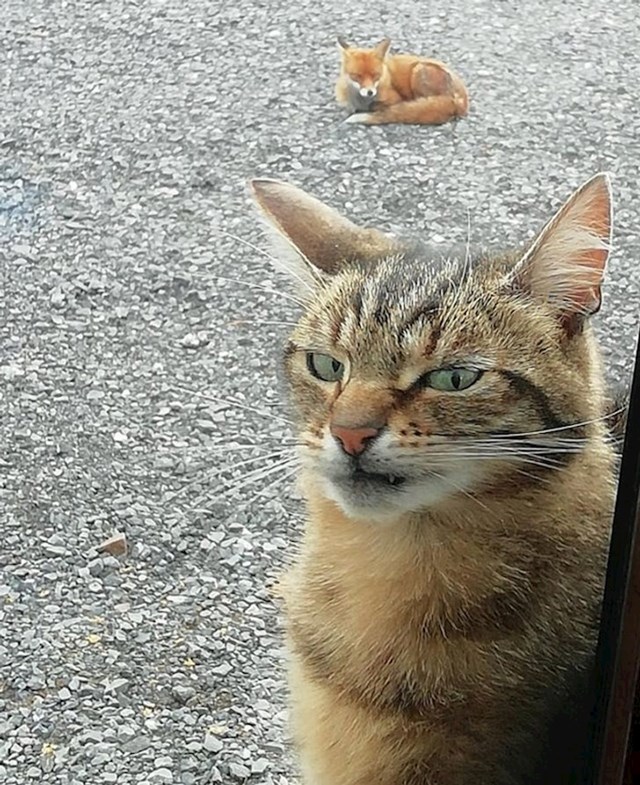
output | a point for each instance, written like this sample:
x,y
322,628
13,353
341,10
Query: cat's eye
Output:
x,y
324,367
452,379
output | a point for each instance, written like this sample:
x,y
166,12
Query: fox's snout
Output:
x,y
368,92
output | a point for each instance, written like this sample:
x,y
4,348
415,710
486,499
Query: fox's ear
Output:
x,y
343,43
382,48
565,264
311,239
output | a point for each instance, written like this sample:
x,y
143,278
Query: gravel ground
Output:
x,y
128,131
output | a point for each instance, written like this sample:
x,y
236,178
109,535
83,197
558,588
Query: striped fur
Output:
x,y
444,605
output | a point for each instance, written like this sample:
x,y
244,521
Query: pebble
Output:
x,y
115,546
239,771
137,744
183,693
212,743
161,775
259,766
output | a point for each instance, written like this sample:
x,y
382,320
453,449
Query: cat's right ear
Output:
x,y
343,43
310,239
565,264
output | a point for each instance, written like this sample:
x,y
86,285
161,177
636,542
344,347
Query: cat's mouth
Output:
x,y
389,480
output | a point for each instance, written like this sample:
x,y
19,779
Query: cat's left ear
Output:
x,y
565,264
310,239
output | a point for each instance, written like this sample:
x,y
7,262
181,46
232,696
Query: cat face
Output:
x,y
419,381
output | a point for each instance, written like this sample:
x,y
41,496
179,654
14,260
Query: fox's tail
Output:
x,y
431,110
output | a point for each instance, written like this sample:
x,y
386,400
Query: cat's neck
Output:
x,y
464,548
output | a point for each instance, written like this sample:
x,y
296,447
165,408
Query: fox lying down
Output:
x,y
382,88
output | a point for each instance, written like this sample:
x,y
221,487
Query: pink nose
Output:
x,y
354,440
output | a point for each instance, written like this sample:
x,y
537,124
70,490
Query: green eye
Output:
x,y
324,367
452,379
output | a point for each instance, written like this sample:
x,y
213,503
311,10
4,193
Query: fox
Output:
x,y
381,88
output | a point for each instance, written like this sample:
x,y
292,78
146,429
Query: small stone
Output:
x,y
206,426
53,550
109,776
239,771
116,545
110,562
259,766
212,743
161,775
91,736
96,567
182,693
126,732
139,744
190,341
222,670
64,694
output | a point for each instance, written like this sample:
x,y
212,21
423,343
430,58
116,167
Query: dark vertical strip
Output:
x,y
618,654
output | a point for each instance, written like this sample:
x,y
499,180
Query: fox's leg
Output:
x,y
387,97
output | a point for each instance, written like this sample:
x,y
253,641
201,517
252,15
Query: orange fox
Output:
x,y
382,88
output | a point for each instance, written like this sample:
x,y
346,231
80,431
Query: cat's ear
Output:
x,y
382,48
311,239
565,264
343,43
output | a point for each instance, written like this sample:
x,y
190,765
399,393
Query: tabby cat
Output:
x,y
459,481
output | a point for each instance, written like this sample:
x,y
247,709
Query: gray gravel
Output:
x,y
128,131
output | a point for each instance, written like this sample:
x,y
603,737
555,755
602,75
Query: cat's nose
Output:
x,y
354,441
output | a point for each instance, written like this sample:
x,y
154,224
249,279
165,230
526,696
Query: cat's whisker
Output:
x,y
216,470
255,476
455,485
255,459
278,481
277,263
255,472
536,477
252,322
520,447
219,448
567,427
236,404
250,478
251,284
467,255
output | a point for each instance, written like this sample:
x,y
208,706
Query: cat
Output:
x,y
459,479
382,88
